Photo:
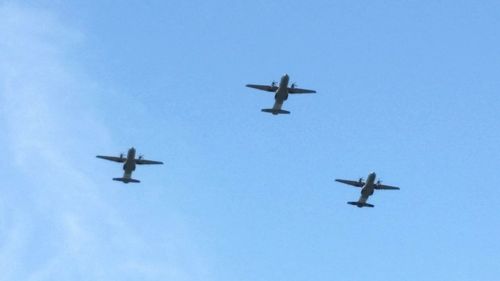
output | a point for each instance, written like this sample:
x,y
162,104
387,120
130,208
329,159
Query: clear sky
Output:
x,y
408,89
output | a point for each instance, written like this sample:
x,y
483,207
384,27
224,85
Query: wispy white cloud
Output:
x,y
62,227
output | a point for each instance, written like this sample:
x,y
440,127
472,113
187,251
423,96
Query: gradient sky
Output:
x,y
409,89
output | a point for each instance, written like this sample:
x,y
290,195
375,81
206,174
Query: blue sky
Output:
x,y
408,89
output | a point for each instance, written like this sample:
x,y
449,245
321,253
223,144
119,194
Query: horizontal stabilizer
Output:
x,y
360,204
275,111
126,180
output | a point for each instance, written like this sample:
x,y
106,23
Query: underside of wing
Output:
x,y
386,187
350,182
300,91
263,87
147,162
112,158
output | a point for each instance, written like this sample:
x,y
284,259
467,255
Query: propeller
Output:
x,y
379,182
141,156
361,179
273,84
294,85
121,155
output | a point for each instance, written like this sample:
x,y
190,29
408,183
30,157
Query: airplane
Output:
x,y
281,93
367,190
129,164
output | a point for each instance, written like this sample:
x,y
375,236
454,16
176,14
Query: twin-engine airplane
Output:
x,y
281,93
367,190
129,164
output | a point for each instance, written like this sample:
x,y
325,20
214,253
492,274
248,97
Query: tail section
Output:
x,y
127,180
360,204
275,111
276,108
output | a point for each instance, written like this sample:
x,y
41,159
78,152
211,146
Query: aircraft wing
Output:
x,y
263,87
300,91
386,187
113,158
146,162
353,183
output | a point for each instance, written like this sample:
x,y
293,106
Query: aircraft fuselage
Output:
x,y
368,188
282,92
366,191
129,165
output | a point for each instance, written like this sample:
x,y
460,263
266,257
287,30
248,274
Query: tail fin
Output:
x,y
126,180
360,204
275,111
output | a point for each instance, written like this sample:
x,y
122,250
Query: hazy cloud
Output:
x,y
56,223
